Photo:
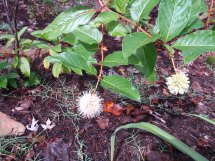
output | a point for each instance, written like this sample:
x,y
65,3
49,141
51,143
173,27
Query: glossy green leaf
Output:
x,y
193,45
15,61
117,59
3,64
132,42
40,44
121,86
120,5
105,18
140,9
198,6
197,24
88,34
3,82
56,70
12,75
6,36
21,32
24,66
161,134
148,57
173,17
72,60
116,29
12,83
67,22
70,38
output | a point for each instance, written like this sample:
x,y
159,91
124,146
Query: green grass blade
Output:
x,y
204,118
161,134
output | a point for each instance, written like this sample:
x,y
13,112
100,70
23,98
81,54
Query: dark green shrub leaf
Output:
x,y
195,44
173,17
132,42
67,22
140,9
120,5
116,29
121,86
88,34
24,66
73,60
105,18
147,55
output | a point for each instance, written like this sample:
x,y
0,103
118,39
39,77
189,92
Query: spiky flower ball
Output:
x,y
178,83
89,104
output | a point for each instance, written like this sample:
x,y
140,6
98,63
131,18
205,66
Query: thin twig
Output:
x,y
102,59
133,23
15,27
209,14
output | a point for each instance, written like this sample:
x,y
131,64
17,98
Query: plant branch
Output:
x,y
133,23
102,59
15,31
210,12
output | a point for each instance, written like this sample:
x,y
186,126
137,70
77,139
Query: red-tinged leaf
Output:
x,y
108,106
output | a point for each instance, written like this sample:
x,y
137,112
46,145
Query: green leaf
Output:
x,y
56,70
46,62
24,66
12,83
120,5
132,42
6,36
121,86
117,59
12,75
116,29
193,45
105,18
198,6
161,134
3,82
40,44
67,22
70,39
56,48
140,9
3,64
21,32
173,17
72,60
88,34
15,61
147,56
197,24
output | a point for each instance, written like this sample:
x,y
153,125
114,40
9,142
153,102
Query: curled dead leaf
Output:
x,y
113,108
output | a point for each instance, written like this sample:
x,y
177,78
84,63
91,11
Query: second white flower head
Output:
x,y
89,104
178,83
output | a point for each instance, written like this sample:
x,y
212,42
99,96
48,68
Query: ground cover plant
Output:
x,y
131,64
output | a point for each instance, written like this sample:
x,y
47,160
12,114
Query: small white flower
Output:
x,y
89,104
33,126
178,83
49,125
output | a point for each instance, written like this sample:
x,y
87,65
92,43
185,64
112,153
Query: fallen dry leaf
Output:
x,y
113,108
9,126
29,155
129,109
103,122
57,150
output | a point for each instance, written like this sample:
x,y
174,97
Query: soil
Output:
x,y
85,138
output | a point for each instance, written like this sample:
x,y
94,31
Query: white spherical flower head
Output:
x,y
178,83
89,104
